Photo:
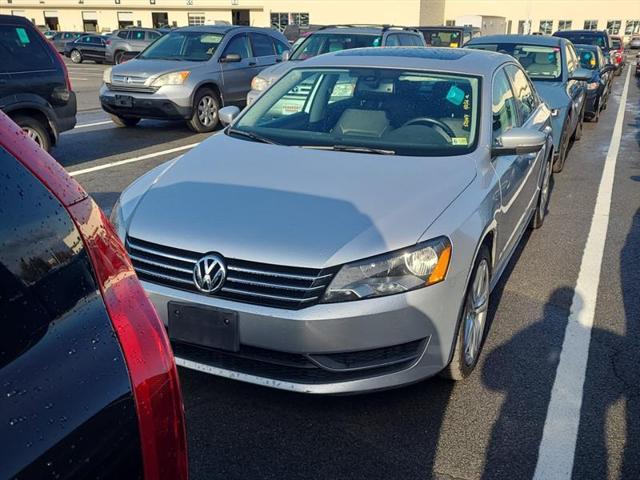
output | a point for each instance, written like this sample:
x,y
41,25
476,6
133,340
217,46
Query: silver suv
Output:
x,y
129,40
335,38
189,74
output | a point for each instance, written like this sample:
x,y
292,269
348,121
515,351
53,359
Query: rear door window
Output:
x,y
123,34
262,45
152,35
137,35
22,50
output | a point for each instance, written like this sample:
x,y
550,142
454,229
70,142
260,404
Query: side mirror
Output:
x,y
581,74
228,114
286,55
518,141
231,58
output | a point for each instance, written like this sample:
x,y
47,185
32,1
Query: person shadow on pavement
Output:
x,y
608,443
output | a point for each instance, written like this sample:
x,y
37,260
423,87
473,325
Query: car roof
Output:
x,y
363,29
593,32
222,29
542,40
452,60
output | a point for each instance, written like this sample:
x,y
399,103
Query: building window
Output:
x,y
280,20
591,24
196,19
633,26
613,26
564,25
546,27
524,27
450,23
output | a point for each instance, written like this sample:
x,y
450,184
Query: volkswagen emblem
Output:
x,y
209,273
128,79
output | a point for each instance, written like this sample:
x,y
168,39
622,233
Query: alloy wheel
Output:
x,y
33,134
207,111
475,313
75,56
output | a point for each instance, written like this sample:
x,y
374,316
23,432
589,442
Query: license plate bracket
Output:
x,y
205,326
124,101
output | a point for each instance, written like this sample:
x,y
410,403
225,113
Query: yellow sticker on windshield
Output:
x,y
459,141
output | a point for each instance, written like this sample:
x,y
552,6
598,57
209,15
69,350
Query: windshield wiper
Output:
x,y
252,136
351,148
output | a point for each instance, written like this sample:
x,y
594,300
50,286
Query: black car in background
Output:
x,y
87,47
592,58
35,90
454,37
599,38
60,39
89,384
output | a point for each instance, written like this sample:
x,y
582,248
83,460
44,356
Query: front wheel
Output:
x,y
577,134
35,130
558,165
76,56
470,336
543,196
124,121
204,117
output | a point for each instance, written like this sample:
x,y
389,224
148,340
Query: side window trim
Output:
x,y
520,120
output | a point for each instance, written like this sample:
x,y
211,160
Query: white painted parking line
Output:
x,y
558,445
75,173
94,124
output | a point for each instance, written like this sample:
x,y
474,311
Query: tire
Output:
x,y
543,197
462,362
117,57
75,56
35,130
558,165
577,133
206,105
124,121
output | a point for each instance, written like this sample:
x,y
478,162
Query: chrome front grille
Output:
x,y
130,83
248,282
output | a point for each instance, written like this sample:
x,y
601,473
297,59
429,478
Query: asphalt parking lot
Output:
x,y
491,426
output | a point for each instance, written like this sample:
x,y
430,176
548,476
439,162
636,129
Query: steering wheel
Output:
x,y
432,122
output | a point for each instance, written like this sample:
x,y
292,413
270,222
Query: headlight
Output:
x,y
106,75
396,272
593,85
259,84
173,78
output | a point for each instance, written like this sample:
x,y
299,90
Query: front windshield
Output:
x,y
442,38
319,43
183,45
399,112
585,39
588,58
541,63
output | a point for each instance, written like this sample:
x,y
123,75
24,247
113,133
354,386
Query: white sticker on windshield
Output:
x,y
459,141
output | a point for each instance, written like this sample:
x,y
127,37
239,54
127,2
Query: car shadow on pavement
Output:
x,y
85,146
612,386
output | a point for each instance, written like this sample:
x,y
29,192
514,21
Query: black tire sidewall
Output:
x,y
194,122
24,121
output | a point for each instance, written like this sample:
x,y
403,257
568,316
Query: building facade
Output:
x,y
518,16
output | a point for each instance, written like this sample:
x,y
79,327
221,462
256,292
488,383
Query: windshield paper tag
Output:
x,y
459,141
22,35
455,95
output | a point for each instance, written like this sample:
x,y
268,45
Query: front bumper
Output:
x,y
297,349
146,105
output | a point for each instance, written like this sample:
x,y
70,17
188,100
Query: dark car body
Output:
x,y
79,380
34,85
454,37
87,47
599,38
599,87
60,39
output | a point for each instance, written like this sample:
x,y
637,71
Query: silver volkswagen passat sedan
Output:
x,y
348,242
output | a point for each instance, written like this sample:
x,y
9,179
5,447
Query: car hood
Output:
x,y
554,94
291,206
274,72
149,68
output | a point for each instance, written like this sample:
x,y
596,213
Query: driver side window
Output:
x,y
238,45
503,106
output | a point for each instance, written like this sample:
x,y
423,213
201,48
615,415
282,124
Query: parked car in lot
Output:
x,y
89,385
294,32
35,90
189,74
453,37
634,43
49,34
310,273
87,47
599,38
553,66
617,54
332,39
599,87
129,40
60,39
